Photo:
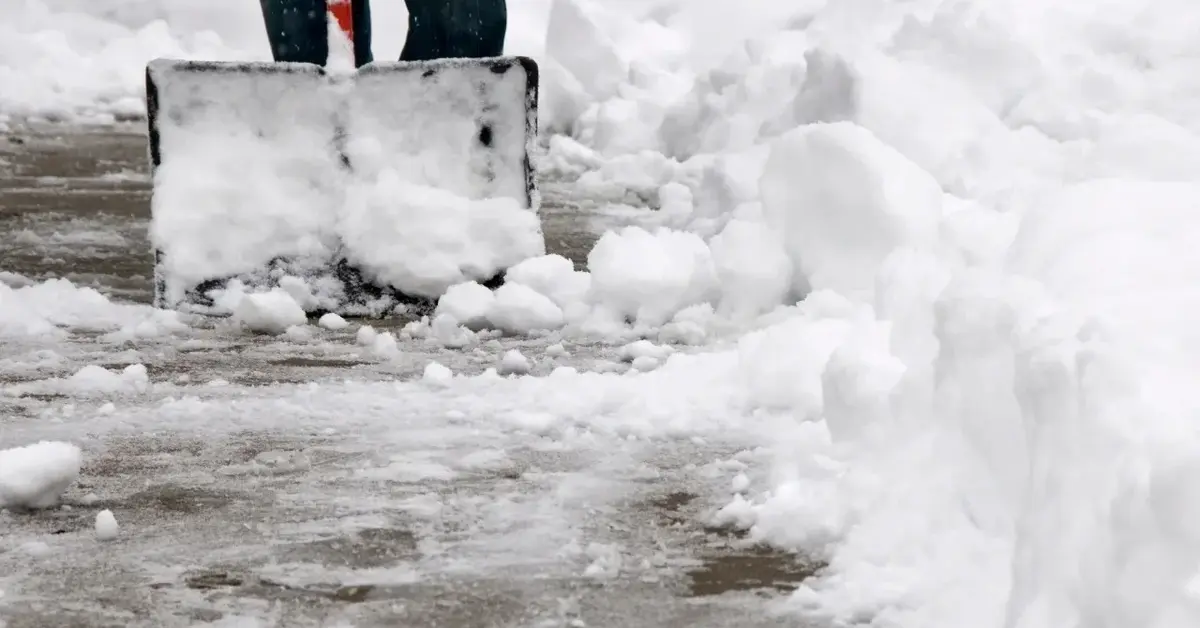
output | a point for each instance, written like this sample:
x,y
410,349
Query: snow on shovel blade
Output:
x,y
254,163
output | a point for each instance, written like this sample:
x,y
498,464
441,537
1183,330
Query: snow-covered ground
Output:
x,y
931,264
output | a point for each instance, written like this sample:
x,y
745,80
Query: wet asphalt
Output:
x,y
270,525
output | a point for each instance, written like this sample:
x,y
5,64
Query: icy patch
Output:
x,y
35,476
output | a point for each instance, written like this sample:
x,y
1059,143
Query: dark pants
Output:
x,y
437,29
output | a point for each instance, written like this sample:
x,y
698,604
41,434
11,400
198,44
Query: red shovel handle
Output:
x,y
341,11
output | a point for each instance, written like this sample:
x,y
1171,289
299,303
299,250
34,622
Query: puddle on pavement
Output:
x,y
126,455
346,594
669,508
729,568
302,362
751,569
364,549
181,499
209,580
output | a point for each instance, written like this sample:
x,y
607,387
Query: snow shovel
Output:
x,y
252,162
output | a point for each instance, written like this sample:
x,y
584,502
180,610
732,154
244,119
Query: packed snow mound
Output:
x,y
35,476
422,240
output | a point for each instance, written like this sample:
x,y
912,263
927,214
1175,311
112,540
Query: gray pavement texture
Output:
x,y
268,504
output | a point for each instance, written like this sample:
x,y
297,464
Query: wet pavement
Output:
x,y
327,521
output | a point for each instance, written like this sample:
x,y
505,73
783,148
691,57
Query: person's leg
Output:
x,y
299,30
361,10
438,29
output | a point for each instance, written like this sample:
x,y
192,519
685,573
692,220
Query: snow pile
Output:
x,y
48,310
35,476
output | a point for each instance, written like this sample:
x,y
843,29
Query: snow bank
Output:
x,y
844,201
35,476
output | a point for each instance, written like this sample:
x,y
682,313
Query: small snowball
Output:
x,y
106,526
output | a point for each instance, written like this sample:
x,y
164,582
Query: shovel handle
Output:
x,y
342,12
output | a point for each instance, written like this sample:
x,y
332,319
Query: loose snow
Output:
x,y
937,257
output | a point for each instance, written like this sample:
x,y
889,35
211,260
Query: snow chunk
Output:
x,y
514,363
333,322
445,330
437,375
520,309
34,476
754,270
843,201
366,335
106,526
644,349
269,312
469,303
554,276
649,276
385,345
